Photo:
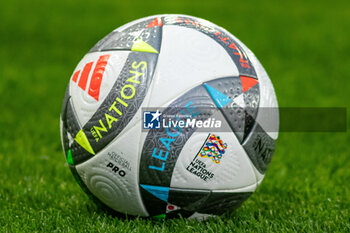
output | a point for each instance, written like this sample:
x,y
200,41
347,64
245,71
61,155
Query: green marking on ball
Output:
x,y
70,158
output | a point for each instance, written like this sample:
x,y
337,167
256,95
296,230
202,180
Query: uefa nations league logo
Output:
x,y
151,119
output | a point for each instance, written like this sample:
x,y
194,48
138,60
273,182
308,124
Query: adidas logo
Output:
x,y
96,77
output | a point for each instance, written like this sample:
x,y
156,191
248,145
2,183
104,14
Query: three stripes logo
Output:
x,y
96,77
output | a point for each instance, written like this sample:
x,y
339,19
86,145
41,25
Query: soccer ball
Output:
x,y
169,115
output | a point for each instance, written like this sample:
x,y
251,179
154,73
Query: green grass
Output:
x,y
303,45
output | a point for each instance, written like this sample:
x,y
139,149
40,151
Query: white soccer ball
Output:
x,y
169,115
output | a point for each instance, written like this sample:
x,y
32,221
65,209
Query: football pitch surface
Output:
x,y
303,45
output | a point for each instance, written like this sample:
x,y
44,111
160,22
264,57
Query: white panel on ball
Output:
x,y
268,115
121,193
84,104
233,172
187,59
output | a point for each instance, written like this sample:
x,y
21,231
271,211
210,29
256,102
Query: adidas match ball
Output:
x,y
169,115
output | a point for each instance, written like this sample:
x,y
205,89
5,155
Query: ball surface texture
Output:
x,y
169,115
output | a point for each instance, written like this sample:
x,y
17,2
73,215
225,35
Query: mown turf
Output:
x,y
304,45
